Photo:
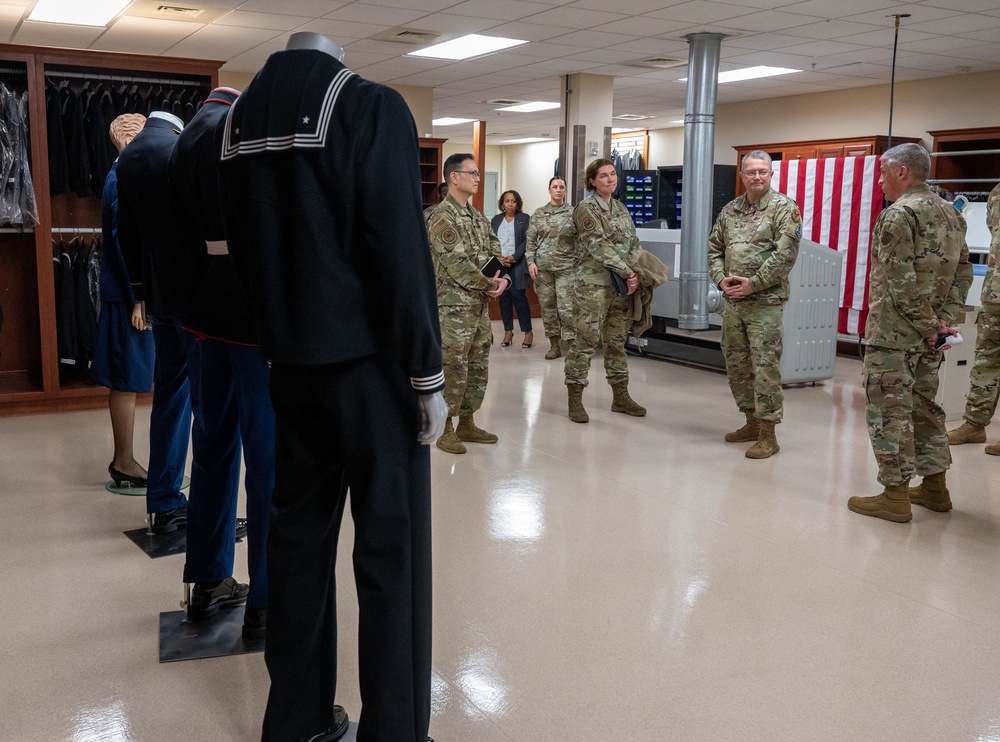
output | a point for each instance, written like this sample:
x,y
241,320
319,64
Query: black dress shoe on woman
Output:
x,y
171,520
125,480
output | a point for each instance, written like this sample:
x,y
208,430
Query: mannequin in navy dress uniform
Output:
x,y
321,188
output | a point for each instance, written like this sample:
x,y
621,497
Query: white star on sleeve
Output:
x,y
305,119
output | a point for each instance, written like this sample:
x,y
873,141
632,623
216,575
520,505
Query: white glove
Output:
x,y
433,413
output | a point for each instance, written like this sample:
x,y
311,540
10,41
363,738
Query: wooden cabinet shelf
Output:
x,y
961,172
809,149
431,161
30,379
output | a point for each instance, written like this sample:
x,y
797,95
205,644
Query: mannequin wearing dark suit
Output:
x,y
147,236
321,188
228,372
515,299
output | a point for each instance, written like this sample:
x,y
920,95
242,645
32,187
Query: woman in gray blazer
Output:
x,y
511,227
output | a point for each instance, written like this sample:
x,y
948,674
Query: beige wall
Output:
x,y
953,102
237,80
527,169
421,103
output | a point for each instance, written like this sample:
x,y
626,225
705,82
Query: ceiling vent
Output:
x,y
657,63
632,117
504,102
411,36
174,11
161,11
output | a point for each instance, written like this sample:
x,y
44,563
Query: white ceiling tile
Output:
x,y
508,10
833,29
446,23
273,21
427,6
341,31
842,8
918,14
761,41
11,12
631,7
957,24
644,25
575,18
310,8
970,6
883,38
221,42
647,47
378,14
593,39
701,11
821,48
144,35
56,34
529,31
769,21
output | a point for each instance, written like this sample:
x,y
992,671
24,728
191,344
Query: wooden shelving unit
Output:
x,y
29,365
430,169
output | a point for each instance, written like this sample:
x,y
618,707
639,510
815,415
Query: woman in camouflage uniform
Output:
x,y
552,258
607,244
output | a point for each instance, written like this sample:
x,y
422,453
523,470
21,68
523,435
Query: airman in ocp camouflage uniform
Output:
x,y
920,274
462,242
751,250
552,257
984,387
606,241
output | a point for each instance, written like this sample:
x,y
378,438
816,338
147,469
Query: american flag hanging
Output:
x,y
839,198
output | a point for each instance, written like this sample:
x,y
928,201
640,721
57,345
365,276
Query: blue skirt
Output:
x,y
123,356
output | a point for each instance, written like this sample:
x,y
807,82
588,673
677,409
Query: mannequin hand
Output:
x,y
433,413
137,322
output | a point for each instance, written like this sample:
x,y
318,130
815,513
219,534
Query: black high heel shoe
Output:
x,y
125,480
529,338
507,340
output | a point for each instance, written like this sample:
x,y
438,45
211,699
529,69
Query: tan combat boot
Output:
x,y
469,432
767,442
448,441
932,493
622,402
553,351
993,449
749,432
576,411
893,504
967,433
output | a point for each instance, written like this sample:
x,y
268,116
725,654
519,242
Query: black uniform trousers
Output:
x,y
348,427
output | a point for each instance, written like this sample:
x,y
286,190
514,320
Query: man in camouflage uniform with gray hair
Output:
x,y
920,274
751,250
984,388
552,256
462,242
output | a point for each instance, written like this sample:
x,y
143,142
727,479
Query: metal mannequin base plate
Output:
x,y
156,545
219,636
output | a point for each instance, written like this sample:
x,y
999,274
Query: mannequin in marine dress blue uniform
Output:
x,y
321,190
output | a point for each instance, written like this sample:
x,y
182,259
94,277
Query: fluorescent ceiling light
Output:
x,y
527,140
451,121
677,121
616,130
750,73
77,12
465,47
538,105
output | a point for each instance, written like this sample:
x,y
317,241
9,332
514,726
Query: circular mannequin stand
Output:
x,y
136,491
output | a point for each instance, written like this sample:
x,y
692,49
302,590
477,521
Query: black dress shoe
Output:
x,y
125,480
241,527
254,624
340,724
171,520
206,602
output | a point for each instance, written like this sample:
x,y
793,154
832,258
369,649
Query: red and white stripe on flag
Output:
x,y
839,198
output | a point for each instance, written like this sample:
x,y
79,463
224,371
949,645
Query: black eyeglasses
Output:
x,y
473,173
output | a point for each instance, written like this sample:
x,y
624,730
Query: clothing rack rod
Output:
x,y
964,180
16,230
80,230
967,152
124,78
12,71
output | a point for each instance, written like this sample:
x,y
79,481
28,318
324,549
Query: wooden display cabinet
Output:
x,y
431,162
813,148
974,162
29,364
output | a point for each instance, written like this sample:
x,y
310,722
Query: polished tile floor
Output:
x,y
629,579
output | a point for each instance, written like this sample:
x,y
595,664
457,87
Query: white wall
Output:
x,y
527,170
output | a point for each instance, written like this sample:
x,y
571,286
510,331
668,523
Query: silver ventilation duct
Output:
x,y
699,157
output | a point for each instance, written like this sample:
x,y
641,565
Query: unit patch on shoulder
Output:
x,y
589,223
449,236
795,214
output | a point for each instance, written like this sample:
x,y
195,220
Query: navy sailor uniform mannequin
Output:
x,y
148,238
323,215
228,373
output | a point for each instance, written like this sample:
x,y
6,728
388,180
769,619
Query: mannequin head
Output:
x,y
310,40
124,128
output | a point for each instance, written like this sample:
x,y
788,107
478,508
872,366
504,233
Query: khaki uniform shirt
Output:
x,y
757,241
605,239
551,243
462,242
991,283
920,270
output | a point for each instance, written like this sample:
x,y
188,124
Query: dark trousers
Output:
x,y
515,300
349,427
230,385
169,418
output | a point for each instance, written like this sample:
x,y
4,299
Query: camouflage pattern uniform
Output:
x,y
552,248
462,241
760,242
606,240
984,389
920,274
